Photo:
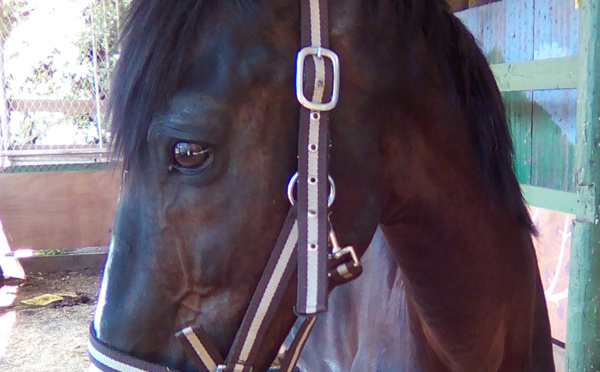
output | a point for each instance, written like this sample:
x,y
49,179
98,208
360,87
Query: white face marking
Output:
x,y
103,286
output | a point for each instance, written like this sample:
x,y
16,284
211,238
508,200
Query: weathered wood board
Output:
x,y
58,210
75,262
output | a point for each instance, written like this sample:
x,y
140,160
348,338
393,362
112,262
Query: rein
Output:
x,y
306,240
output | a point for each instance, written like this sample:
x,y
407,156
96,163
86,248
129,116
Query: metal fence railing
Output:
x,y
55,61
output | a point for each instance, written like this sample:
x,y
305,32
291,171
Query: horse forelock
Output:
x,y
155,51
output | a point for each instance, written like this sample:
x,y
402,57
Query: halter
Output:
x,y
306,240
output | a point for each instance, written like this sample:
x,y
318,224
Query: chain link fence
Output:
x,y
55,61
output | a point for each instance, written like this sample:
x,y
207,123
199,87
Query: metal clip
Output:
x,y
335,246
342,269
349,250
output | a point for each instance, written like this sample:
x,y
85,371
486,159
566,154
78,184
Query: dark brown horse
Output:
x,y
205,117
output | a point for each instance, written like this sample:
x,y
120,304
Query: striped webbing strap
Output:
x,y
316,68
288,364
107,359
266,298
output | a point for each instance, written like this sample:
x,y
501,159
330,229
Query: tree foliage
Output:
x,y
13,12
84,77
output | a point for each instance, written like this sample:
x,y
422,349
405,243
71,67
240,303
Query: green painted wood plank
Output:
x,y
554,73
561,201
583,311
553,139
518,113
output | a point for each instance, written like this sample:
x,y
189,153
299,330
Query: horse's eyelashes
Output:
x,y
191,155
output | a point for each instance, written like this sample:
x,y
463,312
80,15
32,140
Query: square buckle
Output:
x,y
318,52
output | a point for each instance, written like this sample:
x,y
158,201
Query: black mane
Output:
x,y
154,57
467,69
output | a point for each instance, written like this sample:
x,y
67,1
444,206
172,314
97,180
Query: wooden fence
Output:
x,y
58,210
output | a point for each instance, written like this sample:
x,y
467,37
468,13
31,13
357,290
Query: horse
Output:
x,y
205,116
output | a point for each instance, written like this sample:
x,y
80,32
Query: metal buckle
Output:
x,y
318,52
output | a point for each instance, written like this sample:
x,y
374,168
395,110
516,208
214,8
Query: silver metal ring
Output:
x,y
292,183
331,197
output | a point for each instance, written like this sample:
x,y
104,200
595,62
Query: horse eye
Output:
x,y
191,155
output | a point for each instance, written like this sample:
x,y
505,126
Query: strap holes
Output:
x,y
312,147
312,246
315,115
312,180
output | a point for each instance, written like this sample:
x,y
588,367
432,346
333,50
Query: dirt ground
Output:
x,y
51,338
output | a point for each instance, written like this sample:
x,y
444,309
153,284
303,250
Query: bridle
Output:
x,y
306,241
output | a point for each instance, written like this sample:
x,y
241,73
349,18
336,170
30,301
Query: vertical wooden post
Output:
x,y
583,317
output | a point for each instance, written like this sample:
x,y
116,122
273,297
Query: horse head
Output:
x,y
205,116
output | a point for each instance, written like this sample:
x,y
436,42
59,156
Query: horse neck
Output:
x,y
452,237
453,243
